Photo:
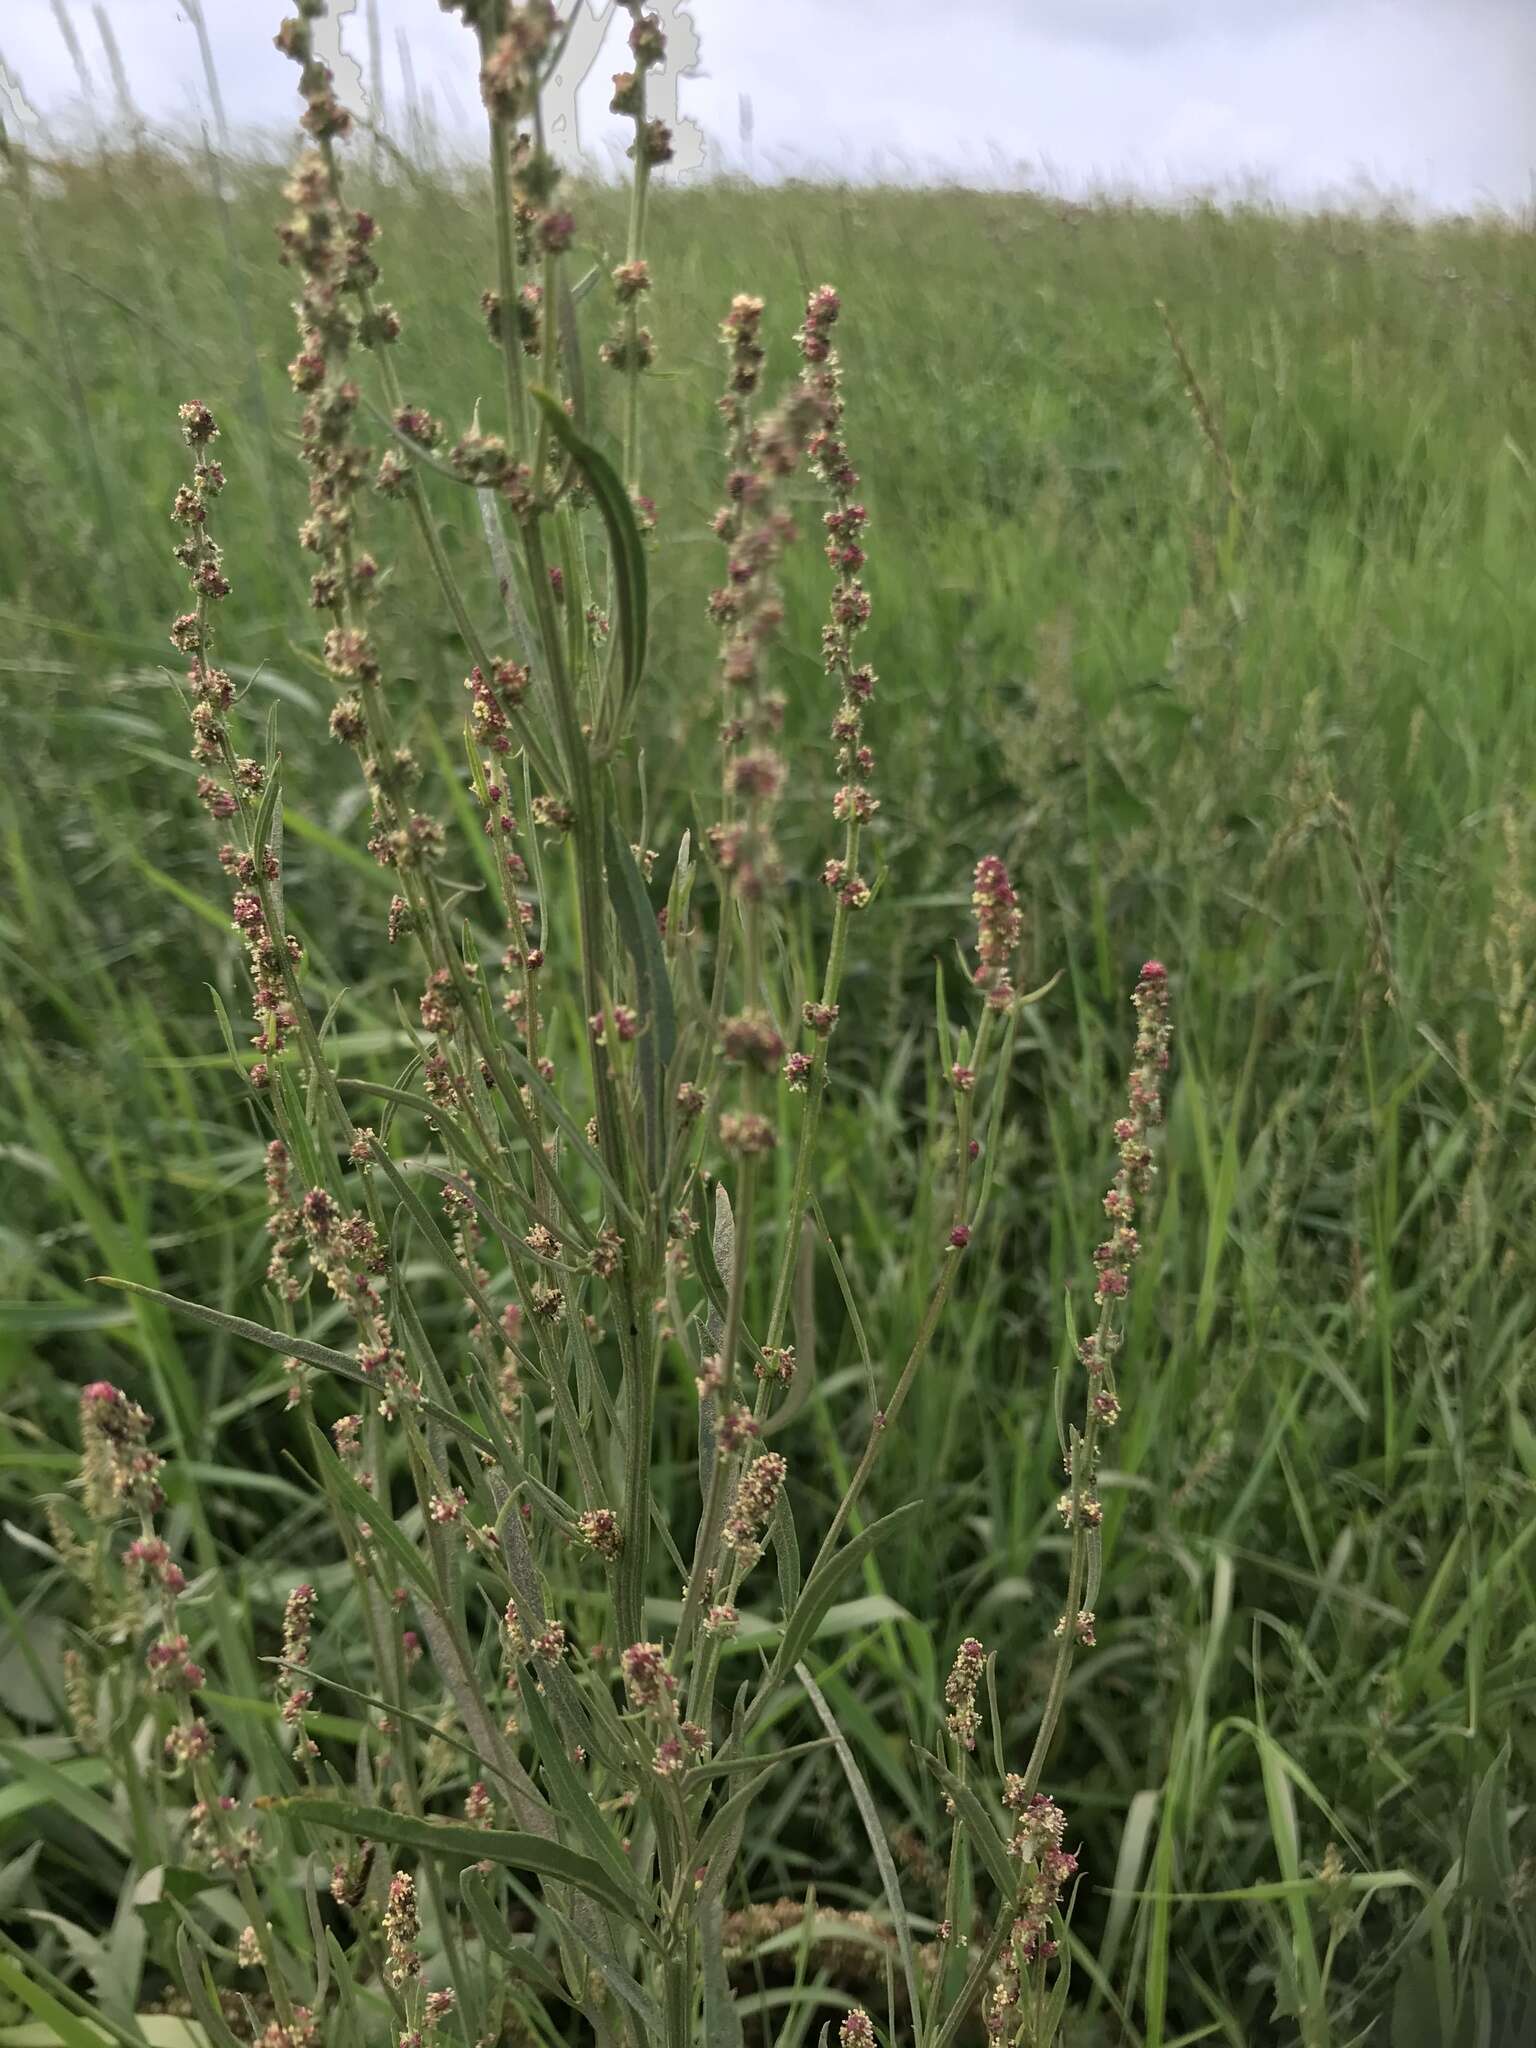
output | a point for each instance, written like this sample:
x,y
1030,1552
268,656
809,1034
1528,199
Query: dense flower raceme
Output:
x,y
138,1588
1114,1259
1025,1940
229,784
1116,1256
999,924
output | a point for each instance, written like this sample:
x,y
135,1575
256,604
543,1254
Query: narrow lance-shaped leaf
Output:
x,y
518,1957
573,1802
722,2022
986,1838
459,1839
642,941
875,1834
288,1346
629,571
715,1851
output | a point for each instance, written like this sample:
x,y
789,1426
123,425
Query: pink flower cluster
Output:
x,y
999,926
1039,1829
652,1693
757,1492
960,1692
119,1471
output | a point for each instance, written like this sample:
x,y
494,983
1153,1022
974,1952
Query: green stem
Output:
x,y
514,390
706,1548
639,191
1083,1452
810,1120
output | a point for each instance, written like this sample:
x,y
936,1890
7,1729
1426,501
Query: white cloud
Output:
x,y
1204,138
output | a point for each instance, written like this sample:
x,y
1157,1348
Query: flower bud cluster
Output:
x,y
630,347
1114,1259
217,1842
345,1249
402,1932
1040,1827
517,45
651,1691
1116,1256
999,926
120,1475
963,1720
293,1695
600,1532
756,1495
509,76
119,1472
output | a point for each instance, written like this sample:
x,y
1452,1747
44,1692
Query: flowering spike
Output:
x,y
960,1692
998,929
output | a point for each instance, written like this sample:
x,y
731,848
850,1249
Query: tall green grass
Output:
x,y
1284,739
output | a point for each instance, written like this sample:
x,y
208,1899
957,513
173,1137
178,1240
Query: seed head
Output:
x,y
797,1070
298,1621
747,1134
118,1469
647,1680
599,1530
757,1492
999,926
1116,1256
198,425
963,1720
751,1040
402,1931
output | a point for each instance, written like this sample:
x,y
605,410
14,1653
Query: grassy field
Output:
x,y
1249,692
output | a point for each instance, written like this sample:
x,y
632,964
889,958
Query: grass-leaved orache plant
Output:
x,y
498,1789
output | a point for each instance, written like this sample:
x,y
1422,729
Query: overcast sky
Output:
x,y
1433,100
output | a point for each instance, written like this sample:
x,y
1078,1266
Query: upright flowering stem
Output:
x,y
344,1249
525,180
347,1249
749,609
332,249
1114,1259
508,85
631,350
120,1474
273,954
532,229
998,930
819,397
376,327
855,804
1021,1936
337,308
636,1342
